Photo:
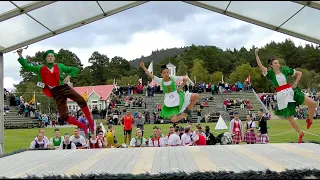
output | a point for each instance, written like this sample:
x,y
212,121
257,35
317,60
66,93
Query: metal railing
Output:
x,y
264,107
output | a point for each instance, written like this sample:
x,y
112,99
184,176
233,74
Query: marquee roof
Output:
x,y
26,22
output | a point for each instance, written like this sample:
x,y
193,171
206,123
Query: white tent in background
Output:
x,y
221,124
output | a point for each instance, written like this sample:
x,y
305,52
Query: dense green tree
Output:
x,y
199,71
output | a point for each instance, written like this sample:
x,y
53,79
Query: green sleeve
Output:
x,y
268,74
288,71
72,71
27,67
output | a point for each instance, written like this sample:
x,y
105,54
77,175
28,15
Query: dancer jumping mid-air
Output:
x,y
177,103
55,86
288,97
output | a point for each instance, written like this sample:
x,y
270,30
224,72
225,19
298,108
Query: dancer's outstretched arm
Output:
x,y
146,70
25,65
263,69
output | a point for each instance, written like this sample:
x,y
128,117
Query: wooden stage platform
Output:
x,y
276,157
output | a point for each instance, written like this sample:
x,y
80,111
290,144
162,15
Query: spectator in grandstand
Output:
x,y
140,122
250,136
83,120
53,121
139,140
78,140
199,114
156,140
56,141
39,142
236,129
115,118
66,143
46,120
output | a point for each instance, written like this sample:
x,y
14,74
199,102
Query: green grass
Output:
x,y
15,139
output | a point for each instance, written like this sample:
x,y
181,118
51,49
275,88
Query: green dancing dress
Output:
x,y
174,102
287,98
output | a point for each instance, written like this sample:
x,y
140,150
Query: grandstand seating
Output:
x,y
12,119
215,105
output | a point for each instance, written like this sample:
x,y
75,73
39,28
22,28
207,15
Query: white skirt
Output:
x,y
284,97
187,100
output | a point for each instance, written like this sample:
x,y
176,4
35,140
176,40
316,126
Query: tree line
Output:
x,y
207,63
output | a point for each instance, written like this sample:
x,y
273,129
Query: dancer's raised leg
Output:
x,y
311,109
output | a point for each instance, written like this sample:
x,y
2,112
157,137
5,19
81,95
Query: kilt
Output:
x,y
250,137
237,137
53,123
262,138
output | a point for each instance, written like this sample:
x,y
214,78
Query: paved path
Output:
x,y
276,157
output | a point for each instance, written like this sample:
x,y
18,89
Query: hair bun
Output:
x,y
163,66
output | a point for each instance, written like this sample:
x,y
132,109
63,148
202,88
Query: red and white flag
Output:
x,y
248,79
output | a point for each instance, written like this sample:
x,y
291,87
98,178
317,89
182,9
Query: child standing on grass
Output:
x,y
250,136
236,129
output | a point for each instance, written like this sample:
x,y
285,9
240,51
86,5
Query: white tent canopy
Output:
x,y
26,22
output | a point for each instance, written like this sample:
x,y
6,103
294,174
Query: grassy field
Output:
x,y
280,132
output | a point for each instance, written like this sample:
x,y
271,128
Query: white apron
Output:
x,y
172,99
284,97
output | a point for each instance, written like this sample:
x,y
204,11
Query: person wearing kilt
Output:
x,y
288,97
262,136
250,136
236,129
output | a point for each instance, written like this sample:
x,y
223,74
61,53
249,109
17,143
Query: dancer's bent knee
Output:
x,y
64,117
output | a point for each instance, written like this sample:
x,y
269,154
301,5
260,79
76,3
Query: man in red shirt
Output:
x,y
128,122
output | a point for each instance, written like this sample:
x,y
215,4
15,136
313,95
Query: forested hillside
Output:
x,y
206,63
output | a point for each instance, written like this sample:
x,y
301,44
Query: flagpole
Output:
x,y
35,103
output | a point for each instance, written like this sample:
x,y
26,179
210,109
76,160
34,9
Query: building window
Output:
x,y
69,107
74,107
100,105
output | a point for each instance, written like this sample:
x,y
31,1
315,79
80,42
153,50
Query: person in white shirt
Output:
x,y
156,140
174,139
185,138
139,140
78,140
66,143
166,139
39,143
41,131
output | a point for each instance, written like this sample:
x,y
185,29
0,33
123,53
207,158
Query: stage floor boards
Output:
x,y
276,157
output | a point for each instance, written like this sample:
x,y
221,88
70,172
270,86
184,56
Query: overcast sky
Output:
x,y
153,25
